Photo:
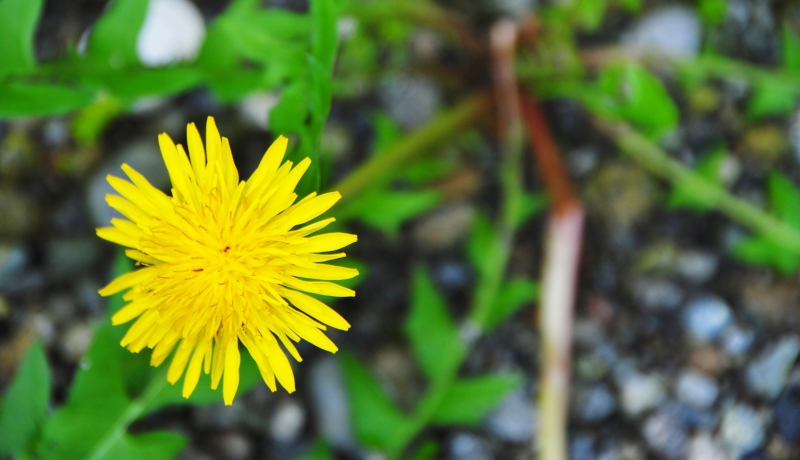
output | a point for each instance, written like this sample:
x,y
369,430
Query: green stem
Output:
x,y
383,165
658,162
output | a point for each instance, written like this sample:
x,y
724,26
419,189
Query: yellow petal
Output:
x,y
128,280
230,381
193,373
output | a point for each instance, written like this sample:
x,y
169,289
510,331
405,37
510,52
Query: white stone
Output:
x,y
742,429
696,389
640,393
287,422
673,30
255,108
703,447
173,31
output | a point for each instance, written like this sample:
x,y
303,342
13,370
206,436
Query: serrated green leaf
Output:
x,y
431,331
785,204
480,240
377,422
24,407
513,296
774,98
113,39
18,19
468,400
39,99
708,168
641,98
791,47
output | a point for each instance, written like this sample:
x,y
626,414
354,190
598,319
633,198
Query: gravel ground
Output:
x,y
680,350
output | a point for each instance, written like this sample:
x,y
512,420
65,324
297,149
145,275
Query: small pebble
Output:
x,y
766,375
75,341
737,341
742,429
255,108
582,448
582,161
410,100
696,389
593,404
469,447
443,227
13,259
234,446
710,360
44,327
20,214
640,393
287,422
331,404
655,294
703,447
513,419
705,318
697,267
673,30
666,433
172,31
786,416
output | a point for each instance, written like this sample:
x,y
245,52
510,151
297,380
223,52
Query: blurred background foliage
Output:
x,y
406,190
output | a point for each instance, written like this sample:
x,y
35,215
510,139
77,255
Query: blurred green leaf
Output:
x,y
39,99
431,331
289,116
641,98
785,204
387,210
712,12
589,13
480,240
531,204
89,123
18,19
633,6
25,404
320,451
468,400
387,132
791,47
710,168
113,38
514,295
426,451
324,38
773,98
378,423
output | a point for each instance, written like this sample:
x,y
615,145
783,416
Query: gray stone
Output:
x,y
234,446
444,226
767,374
737,341
673,30
705,318
20,214
742,429
410,100
287,422
13,259
657,294
465,446
513,419
582,448
703,447
330,401
593,404
67,257
173,31
640,393
697,267
75,341
582,161
44,327
144,157
696,389
666,433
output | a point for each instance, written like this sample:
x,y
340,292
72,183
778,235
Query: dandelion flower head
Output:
x,y
225,261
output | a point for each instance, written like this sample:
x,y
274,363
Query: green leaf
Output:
x,y
289,115
773,98
709,168
89,124
641,98
387,132
480,240
24,408
513,296
19,99
589,13
633,6
387,210
785,204
791,47
531,204
324,38
18,19
426,451
113,39
431,331
712,12
320,451
468,400
377,422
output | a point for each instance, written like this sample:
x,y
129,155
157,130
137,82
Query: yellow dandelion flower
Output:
x,y
224,263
